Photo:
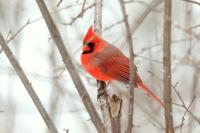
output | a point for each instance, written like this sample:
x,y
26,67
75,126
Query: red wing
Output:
x,y
118,69
113,63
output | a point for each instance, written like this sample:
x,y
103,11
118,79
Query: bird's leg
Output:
x,y
101,88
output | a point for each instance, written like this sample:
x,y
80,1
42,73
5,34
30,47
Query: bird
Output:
x,y
107,63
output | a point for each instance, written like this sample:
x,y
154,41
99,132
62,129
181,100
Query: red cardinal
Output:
x,y
105,62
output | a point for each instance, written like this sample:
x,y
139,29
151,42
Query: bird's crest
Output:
x,y
90,36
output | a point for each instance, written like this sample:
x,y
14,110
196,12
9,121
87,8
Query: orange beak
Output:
x,y
85,47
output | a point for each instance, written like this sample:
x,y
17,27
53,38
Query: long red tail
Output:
x,y
149,92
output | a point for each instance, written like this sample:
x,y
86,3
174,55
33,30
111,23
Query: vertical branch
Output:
x,y
132,68
103,99
167,66
98,17
71,68
28,86
115,103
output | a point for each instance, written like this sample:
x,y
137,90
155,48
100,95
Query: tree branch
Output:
x,y
115,104
60,1
103,99
28,86
191,1
132,68
83,6
183,118
71,68
98,17
185,107
167,67
16,33
78,15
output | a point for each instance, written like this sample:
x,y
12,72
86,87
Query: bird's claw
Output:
x,y
101,89
101,92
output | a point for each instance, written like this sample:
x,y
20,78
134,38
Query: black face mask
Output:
x,y
91,46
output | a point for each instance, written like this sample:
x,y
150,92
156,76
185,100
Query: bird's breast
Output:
x,y
89,65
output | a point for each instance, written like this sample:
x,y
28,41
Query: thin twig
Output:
x,y
184,106
59,3
83,6
191,1
151,60
194,93
78,15
9,33
193,27
112,25
55,12
28,86
132,68
17,32
71,68
183,118
155,124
